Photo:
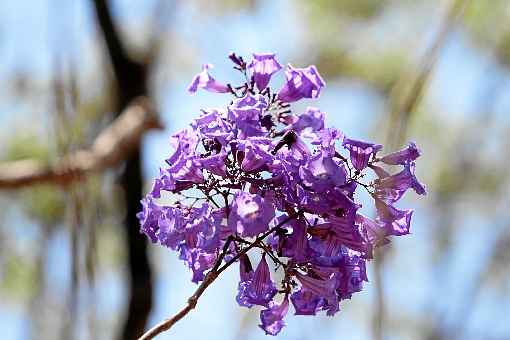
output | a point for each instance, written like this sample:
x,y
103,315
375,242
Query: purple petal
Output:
x,y
272,317
246,114
305,302
203,80
263,66
409,154
392,188
149,217
250,214
361,152
260,290
301,83
396,221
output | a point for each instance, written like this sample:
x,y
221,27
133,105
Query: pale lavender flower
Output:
x,y
272,317
301,83
321,173
361,152
250,214
263,66
246,114
396,221
260,289
409,154
203,80
311,120
212,125
149,217
391,188
305,302
296,245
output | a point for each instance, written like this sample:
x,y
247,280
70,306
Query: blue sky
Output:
x,y
276,26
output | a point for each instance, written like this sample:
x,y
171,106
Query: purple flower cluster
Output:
x,y
257,175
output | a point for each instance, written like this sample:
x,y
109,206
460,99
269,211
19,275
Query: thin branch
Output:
x,y
209,278
403,109
378,317
113,145
400,116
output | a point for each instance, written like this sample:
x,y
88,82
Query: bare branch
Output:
x,y
110,148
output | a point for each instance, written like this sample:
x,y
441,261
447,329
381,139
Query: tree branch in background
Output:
x,y
113,145
407,97
111,36
131,81
131,76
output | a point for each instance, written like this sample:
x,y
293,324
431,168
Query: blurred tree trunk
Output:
x,y
131,82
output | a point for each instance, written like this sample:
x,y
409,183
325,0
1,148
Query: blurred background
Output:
x,y
72,263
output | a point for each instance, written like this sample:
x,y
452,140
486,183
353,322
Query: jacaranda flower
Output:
x,y
263,66
361,152
272,317
301,83
260,289
409,154
250,214
255,176
203,80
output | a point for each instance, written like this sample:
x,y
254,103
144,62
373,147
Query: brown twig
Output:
x,y
110,148
211,276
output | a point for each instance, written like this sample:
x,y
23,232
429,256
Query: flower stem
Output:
x,y
209,278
